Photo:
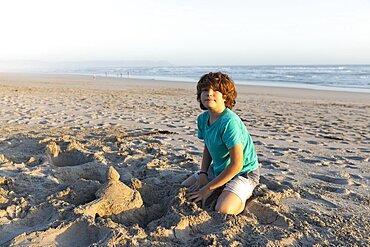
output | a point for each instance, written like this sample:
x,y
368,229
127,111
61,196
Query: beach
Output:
x,y
87,161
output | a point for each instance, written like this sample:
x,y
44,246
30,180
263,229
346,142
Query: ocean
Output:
x,y
327,77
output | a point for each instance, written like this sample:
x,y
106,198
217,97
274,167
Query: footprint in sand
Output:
x,y
334,189
356,176
326,158
333,180
351,166
356,158
274,185
312,142
267,215
281,182
364,150
311,161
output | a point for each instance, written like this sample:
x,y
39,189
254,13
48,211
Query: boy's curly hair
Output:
x,y
221,82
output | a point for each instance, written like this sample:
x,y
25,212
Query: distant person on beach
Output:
x,y
229,158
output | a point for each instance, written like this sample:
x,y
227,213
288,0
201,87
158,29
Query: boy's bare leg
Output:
x,y
229,203
189,181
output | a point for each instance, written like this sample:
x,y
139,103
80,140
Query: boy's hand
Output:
x,y
201,195
201,181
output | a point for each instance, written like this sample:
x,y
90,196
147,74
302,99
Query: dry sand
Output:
x,y
99,162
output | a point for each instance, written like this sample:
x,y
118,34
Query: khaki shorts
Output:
x,y
242,185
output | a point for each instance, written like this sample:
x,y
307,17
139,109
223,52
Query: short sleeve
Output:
x,y
200,127
232,133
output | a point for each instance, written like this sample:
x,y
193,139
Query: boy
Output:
x,y
228,146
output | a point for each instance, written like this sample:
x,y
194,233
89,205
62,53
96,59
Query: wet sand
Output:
x,y
86,162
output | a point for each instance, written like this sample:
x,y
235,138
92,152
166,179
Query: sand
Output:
x,y
99,162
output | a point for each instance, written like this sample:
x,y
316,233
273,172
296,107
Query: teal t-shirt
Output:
x,y
227,131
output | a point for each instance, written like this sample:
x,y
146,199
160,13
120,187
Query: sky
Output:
x,y
191,32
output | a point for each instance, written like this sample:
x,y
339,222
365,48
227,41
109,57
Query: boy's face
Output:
x,y
213,100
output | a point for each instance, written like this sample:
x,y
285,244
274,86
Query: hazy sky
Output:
x,y
191,32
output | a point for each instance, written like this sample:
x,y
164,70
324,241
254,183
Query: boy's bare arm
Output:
x,y
236,157
206,160
235,166
203,178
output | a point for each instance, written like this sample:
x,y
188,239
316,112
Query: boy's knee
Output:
x,y
225,208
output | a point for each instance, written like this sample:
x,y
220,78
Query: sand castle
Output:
x,y
114,198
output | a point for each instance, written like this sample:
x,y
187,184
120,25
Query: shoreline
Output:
x,y
263,84
87,81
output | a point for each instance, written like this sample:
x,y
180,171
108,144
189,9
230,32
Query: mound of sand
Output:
x,y
114,198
